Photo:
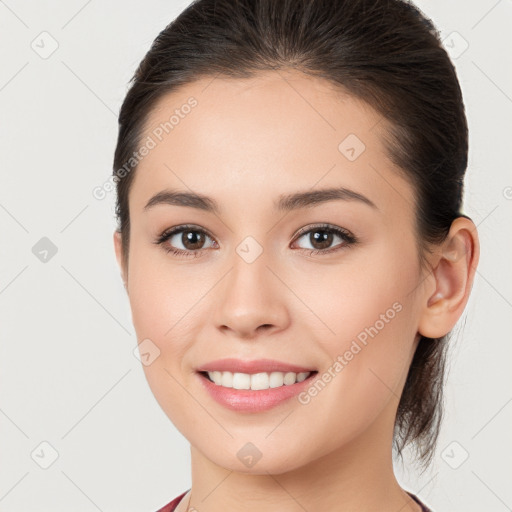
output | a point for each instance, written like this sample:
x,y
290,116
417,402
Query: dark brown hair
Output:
x,y
385,52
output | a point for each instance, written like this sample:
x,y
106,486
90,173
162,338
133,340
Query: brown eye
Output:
x,y
192,240
322,237
184,240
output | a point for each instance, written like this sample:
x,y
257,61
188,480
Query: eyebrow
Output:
x,y
289,202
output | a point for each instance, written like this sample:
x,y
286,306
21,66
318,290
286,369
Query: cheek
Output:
x,y
162,298
367,364
164,304
367,295
368,319
164,309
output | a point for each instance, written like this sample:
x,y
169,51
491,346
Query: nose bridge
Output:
x,y
250,295
249,275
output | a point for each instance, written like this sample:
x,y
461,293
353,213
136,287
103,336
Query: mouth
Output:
x,y
257,392
256,381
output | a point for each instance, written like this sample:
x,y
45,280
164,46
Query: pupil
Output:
x,y
192,238
325,240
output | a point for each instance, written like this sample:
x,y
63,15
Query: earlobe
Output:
x,y
453,277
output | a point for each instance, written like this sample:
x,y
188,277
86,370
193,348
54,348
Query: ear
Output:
x,y
450,282
118,247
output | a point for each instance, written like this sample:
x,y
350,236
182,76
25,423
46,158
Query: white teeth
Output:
x,y
241,381
302,376
259,381
216,377
256,381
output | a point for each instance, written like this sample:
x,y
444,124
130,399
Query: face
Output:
x,y
327,282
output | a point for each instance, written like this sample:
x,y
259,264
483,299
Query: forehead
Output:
x,y
276,131
289,105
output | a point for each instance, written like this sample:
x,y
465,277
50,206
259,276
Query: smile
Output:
x,y
253,393
256,381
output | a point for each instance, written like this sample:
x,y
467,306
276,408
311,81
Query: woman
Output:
x,y
290,181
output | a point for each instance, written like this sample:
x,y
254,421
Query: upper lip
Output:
x,y
250,367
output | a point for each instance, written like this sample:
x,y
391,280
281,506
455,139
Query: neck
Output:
x,y
356,476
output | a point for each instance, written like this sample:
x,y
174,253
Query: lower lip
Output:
x,y
247,400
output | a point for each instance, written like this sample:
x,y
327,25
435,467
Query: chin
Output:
x,y
274,462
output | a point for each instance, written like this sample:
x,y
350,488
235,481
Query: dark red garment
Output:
x,y
170,507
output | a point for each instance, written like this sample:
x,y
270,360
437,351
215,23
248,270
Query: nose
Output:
x,y
251,300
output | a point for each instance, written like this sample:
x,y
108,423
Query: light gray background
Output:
x,y
68,375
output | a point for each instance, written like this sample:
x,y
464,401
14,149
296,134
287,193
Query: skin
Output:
x,y
244,144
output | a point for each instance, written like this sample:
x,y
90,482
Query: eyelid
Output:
x,y
182,227
327,227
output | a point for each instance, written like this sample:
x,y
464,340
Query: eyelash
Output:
x,y
348,238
